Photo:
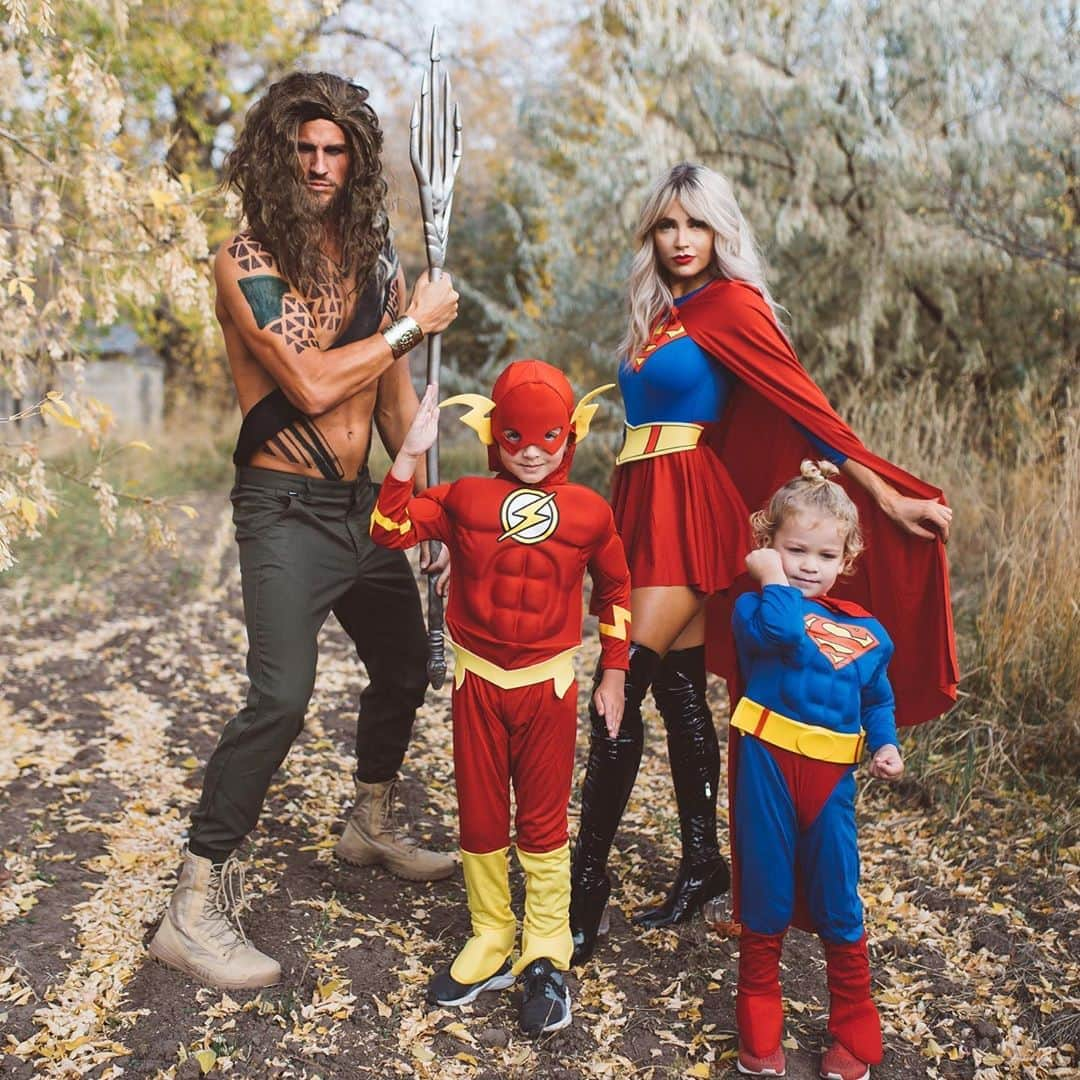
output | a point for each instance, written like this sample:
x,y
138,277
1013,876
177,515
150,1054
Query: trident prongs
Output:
x,y
435,151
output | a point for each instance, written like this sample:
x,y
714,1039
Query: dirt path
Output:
x,y
113,696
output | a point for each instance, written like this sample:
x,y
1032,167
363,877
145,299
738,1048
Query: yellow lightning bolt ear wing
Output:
x,y
478,417
586,410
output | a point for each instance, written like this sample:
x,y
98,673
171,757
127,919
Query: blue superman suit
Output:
x,y
822,664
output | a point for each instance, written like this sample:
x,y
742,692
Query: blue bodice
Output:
x,y
677,381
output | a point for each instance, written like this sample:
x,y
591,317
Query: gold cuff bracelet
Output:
x,y
402,335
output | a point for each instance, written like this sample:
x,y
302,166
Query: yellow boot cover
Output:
x,y
487,882
547,908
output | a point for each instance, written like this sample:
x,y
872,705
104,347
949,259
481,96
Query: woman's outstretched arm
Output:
x,y
917,516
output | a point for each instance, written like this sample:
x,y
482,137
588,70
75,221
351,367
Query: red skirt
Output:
x,y
681,520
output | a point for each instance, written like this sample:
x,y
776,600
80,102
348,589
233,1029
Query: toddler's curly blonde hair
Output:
x,y
812,490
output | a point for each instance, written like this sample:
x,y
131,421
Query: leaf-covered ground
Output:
x,y
113,696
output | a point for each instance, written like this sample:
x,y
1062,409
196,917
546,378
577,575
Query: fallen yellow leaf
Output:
x,y
331,986
932,1048
206,1059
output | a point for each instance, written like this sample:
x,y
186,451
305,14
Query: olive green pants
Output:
x,y
305,552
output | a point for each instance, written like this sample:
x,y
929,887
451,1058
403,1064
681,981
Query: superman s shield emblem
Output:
x,y
841,643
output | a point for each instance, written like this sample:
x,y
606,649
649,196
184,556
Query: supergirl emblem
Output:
x,y
842,643
663,334
528,516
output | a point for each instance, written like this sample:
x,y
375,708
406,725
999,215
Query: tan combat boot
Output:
x,y
370,837
199,934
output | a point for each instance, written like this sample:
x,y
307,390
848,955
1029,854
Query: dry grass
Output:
x,y
1012,473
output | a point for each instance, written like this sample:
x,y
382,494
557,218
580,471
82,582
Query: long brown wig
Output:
x,y
265,170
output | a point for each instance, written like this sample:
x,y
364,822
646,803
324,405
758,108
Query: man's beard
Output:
x,y
320,210
303,225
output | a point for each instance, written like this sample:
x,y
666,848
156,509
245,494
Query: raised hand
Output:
x,y
425,425
419,437
765,567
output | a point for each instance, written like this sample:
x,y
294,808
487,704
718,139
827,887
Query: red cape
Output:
x,y
902,579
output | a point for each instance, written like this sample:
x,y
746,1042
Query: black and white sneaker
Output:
x,y
444,989
546,1004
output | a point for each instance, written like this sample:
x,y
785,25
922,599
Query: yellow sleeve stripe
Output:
x,y
388,524
618,628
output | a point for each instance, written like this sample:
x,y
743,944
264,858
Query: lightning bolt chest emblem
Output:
x,y
841,643
528,515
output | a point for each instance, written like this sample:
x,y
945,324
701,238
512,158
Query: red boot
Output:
x,y
853,1021
759,1008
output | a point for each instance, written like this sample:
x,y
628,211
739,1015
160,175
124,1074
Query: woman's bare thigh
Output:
x,y
667,616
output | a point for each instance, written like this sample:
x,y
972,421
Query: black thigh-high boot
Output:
x,y
609,779
679,690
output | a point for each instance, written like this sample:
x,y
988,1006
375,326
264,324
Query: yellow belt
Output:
x,y
654,440
558,668
806,739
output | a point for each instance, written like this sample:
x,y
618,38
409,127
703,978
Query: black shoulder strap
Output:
x,y
373,298
368,314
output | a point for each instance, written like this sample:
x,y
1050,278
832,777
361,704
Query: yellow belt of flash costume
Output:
x,y
813,742
559,668
655,440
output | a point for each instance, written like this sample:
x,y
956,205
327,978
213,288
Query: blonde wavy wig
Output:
x,y
707,196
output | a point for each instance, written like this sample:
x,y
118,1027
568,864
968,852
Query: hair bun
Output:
x,y
817,472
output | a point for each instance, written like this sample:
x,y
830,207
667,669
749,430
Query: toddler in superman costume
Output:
x,y
816,691
520,543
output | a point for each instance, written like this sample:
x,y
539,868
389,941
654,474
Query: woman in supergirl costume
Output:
x,y
719,412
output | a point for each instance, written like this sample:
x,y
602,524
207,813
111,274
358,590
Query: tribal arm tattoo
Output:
x,y
250,254
274,305
280,311
295,324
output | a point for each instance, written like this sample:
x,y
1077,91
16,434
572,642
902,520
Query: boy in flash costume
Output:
x,y
520,543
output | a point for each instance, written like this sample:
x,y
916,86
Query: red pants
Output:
x,y
525,736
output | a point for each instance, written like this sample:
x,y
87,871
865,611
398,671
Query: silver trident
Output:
x,y
435,150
